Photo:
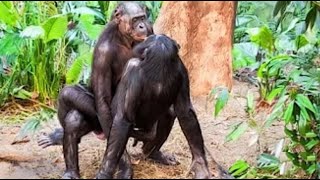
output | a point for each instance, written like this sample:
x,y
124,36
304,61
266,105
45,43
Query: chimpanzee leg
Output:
x,y
74,128
116,146
152,148
125,167
70,98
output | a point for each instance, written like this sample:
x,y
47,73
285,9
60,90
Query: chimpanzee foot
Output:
x,y
128,174
200,169
71,175
54,138
165,159
103,176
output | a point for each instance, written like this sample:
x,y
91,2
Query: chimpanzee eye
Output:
x,y
134,20
143,18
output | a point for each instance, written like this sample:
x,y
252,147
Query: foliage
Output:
x,y
222,96
287,61
44,45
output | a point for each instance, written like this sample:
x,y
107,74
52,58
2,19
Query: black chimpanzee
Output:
x,y
149,86
85,109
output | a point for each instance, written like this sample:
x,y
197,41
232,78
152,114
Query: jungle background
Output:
x,y
263,122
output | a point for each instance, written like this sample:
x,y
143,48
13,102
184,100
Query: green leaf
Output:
x,y
11,44
238,168
292,24
288,113
311,17
55,27
237,165
267,160
74,73
302,125
8,14
221,101
274,93
301,41
33,32
280,6
311,158
292,156
237,132
88,11
263,37
290,133
277,111
311,169
311,144
303,100
92,30
311,135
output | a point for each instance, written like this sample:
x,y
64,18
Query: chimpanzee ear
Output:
x,y
144,54
117,13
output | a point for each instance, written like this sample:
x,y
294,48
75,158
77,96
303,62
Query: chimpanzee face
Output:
x,y
133,21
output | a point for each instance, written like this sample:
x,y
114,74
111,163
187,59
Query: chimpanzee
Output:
x,y
148,87
85,109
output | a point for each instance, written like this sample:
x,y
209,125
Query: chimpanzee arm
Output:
x,y
101,85
130,87
190,126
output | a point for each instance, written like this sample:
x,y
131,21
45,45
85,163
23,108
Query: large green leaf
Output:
x,y
280,7
55,27
11,44
88,11
8,14
311,17
74,72
92,30
263,37
33,32
303,100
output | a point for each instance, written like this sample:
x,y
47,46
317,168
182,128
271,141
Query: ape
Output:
x,y
149,85
85,109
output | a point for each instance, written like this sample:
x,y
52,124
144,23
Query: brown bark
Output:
x,y
204,31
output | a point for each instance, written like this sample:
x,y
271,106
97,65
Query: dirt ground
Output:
x,y
28,161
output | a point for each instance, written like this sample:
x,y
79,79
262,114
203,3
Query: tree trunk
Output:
x,y
204,31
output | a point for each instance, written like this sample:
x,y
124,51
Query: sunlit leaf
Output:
x,y
263,37
312,143
302,124
221,101
305,102
33,32
55,27
237,132
288,113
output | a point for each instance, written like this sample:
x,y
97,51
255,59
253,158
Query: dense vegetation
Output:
x,y
280,41
44,45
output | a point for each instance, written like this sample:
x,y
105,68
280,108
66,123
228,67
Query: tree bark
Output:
x,y
204,31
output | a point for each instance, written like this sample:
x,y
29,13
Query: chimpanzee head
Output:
x,y
132,20
159,46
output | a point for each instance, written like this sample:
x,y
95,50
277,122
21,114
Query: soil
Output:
x,y
29,161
